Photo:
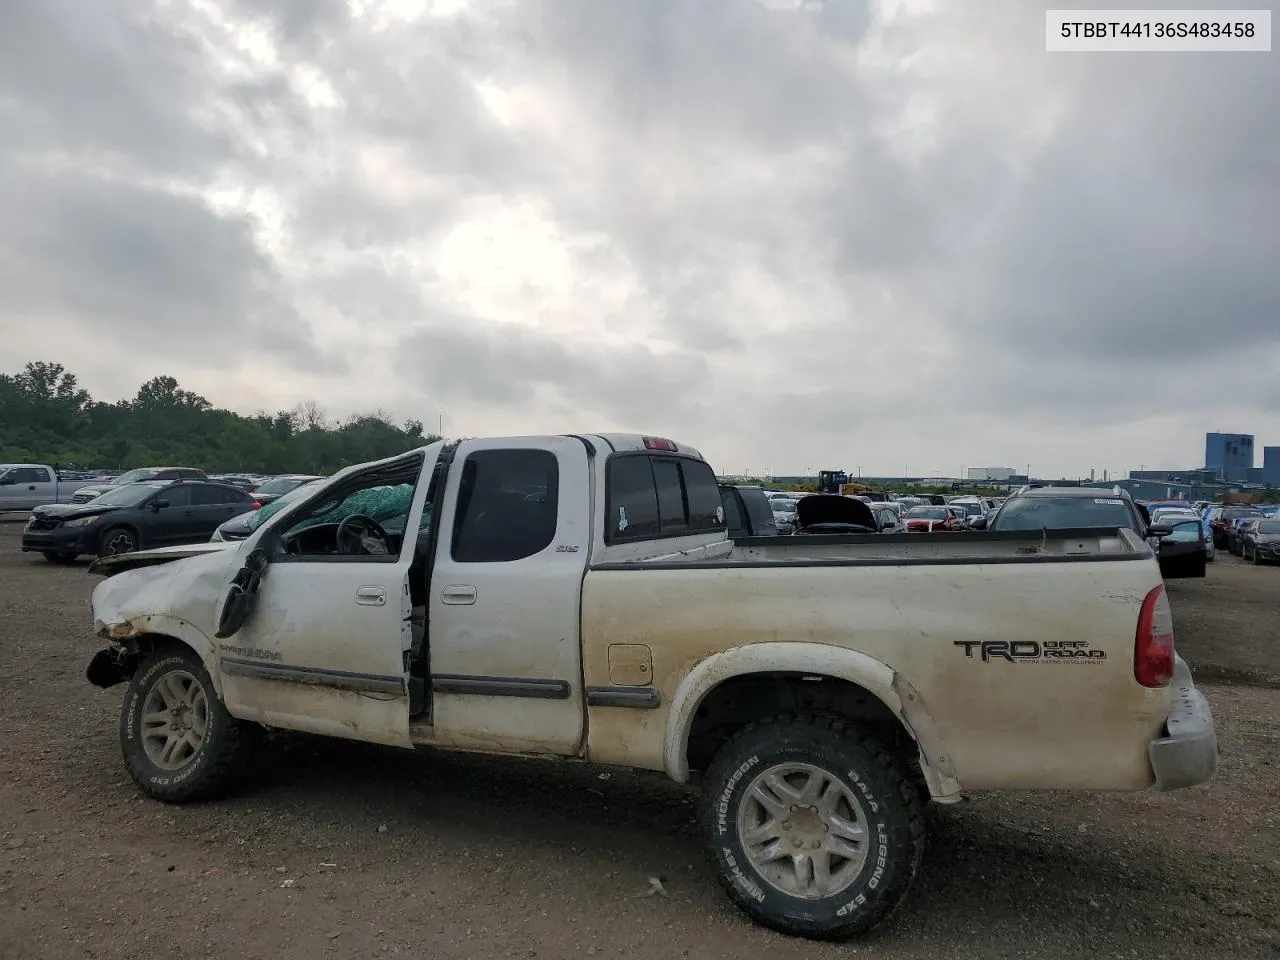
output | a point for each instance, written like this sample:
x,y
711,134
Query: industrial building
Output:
x,y
1230,454
1001,474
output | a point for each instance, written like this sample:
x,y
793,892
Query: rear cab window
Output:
x,y
653,497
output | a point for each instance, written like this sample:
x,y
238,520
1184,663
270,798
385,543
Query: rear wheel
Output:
x,y
54,556
178,740
813,826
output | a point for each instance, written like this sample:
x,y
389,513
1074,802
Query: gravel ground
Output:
x,y
346,850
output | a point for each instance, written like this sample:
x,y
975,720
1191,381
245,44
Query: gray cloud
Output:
x,y
805,231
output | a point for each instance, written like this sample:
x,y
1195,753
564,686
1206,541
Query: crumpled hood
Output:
x,y
833,508
111,566
68,511
189,590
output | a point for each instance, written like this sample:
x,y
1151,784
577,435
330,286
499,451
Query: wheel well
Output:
x,y
123,525
739,701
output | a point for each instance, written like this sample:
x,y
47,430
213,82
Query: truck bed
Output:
x,y
872,549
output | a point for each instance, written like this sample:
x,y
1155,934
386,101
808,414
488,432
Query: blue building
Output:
x,y
1270,466
1230,455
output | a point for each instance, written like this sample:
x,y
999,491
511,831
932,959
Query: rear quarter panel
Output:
x,y
1033,723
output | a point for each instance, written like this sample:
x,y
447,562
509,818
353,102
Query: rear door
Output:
x,y
211,506
506,589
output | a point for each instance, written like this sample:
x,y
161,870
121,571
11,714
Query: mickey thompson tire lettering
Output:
x,y
216,765
892,807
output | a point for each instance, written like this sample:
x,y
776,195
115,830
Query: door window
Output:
x,y
508,504
177,496
29,475
362,519
206,496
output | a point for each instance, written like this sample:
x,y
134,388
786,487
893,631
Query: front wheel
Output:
x,y
178,740
812,826
116,541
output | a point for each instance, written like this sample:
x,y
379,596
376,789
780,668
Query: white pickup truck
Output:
x,y
27,485
577,597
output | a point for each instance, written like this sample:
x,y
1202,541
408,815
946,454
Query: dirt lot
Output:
x,y
346,850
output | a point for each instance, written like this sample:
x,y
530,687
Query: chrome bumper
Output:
x,y
1188,752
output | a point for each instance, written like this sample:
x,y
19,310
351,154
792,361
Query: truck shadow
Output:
x,y
983,879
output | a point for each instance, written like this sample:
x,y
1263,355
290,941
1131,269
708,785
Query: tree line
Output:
x,y
47,417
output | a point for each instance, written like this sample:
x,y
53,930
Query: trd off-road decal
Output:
x,y
1032,651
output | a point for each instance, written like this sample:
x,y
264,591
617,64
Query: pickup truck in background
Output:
x,y
27,485
578,597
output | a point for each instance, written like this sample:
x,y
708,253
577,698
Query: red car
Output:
x,y
931,519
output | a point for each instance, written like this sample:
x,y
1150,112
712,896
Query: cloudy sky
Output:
x,y
887,234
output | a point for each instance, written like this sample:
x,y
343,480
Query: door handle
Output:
x,y
371,596
458,593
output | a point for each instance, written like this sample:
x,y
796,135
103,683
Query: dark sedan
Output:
x,y
152,513
1261,543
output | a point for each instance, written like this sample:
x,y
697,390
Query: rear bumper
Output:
x,y
1187,754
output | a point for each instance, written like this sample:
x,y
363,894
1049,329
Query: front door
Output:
x,y
1182,552
323,645
506,586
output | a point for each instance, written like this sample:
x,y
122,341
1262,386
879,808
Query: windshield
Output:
x,y
275,506
133,476
783,506
127,496
1268,526
1058,513
927,513
280,485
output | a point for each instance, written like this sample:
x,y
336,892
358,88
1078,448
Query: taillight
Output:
x,y
256,506
1153,645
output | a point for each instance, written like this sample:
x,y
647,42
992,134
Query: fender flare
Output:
x,y
817,659
175,628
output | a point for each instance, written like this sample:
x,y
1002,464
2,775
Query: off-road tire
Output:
x,y
216,767
112,536
891,804
55,556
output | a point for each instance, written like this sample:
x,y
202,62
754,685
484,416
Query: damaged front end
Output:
x,y
157,596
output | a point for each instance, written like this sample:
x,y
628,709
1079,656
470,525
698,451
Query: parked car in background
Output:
x,y
276,487
888,520
747,511
240,526
1236,532
831,513
1163,516
148,513
934,519
974,507
27,485
1261,543
1086,508
245,483
88,492
1221,520
784,514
